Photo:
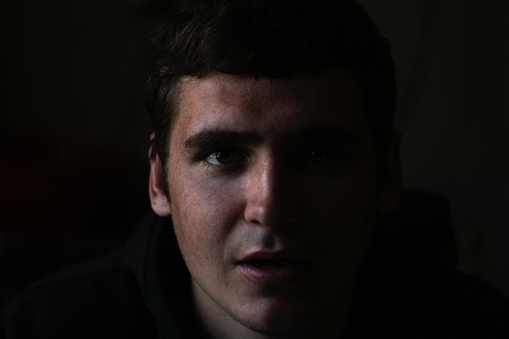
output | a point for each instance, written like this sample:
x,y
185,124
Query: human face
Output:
x,y
273,195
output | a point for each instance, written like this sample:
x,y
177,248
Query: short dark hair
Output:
x,y
270,38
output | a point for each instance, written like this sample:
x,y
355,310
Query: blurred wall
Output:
x,y
73,130
453,63
71,100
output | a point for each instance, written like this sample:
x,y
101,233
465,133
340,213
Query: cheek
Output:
x,y
347,209
352,195
203,216
350,217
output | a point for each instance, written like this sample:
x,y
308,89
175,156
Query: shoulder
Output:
x,y
97,298
431,304
469,308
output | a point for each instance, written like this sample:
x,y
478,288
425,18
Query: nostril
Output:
x,y
271,217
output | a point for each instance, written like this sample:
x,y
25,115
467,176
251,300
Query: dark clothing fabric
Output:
x,y
144,292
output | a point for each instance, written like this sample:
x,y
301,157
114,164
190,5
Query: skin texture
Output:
x,y
298,176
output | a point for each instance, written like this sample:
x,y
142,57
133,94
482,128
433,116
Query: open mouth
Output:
x,y
273,264
273,271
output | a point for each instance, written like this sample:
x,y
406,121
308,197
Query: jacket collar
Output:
x,y
164,280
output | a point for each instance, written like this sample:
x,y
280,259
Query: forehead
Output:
x,y
269,106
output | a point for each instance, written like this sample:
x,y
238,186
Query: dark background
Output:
x,y
74,132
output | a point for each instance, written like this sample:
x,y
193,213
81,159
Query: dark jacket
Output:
x,y
117,296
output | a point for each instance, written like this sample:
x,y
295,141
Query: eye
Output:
x,y
222,157
321,154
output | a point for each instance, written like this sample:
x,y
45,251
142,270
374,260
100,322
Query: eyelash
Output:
x,y
332,154
238,154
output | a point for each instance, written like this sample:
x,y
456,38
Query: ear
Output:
x,y
158,199
390,189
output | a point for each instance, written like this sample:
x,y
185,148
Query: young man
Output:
x,y
275,158
273,163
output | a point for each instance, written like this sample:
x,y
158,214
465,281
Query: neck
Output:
x,y
328,322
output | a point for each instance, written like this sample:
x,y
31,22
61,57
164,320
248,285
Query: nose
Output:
x,y
271,195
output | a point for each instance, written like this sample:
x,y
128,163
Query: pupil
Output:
x,y
319,155
224,156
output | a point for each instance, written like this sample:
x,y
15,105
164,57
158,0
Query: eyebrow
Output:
x,y
210,137
214,137
327,134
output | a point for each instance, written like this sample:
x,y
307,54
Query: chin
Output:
x,y
274,317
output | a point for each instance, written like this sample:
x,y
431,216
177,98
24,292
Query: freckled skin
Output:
x,y
275,197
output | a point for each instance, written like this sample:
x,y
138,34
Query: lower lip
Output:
x,y
272,276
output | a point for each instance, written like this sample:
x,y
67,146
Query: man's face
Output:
x,y
273,195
